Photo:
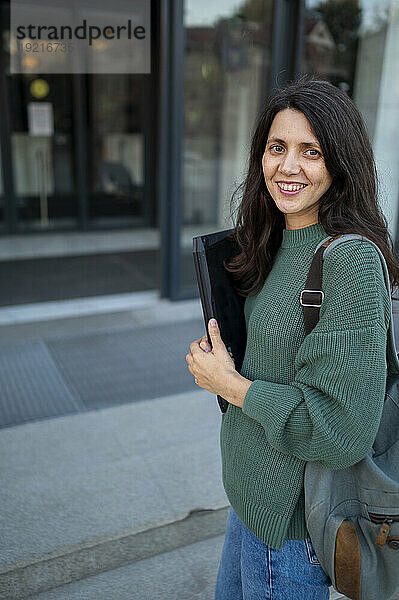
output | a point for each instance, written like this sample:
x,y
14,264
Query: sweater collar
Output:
x,y
300,237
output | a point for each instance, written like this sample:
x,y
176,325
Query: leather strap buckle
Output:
x,y
321,298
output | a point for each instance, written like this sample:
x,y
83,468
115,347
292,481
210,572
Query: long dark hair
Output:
x,y
350,205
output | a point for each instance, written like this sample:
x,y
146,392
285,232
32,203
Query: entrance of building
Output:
x,y
78,149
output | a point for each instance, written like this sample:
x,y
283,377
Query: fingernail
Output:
x,y
213,322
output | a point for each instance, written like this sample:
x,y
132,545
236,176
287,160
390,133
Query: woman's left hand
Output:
x,y
212,369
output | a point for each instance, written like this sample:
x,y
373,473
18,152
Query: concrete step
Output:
x,y
80,489
80,563
187,573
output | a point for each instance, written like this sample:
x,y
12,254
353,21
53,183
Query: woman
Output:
x,y
298,398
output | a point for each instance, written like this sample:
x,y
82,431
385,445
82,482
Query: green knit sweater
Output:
x,y
315,397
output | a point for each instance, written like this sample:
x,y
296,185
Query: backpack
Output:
x,y
352,515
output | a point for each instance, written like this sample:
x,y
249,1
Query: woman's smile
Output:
x,y
290,189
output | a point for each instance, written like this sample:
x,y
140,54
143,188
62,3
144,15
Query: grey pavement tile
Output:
x,y
46,512
79,477
180,419
127,365
193,478
68,442
188,573
66,326
31,385
67,374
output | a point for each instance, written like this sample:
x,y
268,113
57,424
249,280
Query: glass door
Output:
x,y
118,113
42,142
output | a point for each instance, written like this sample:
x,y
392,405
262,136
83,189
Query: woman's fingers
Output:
x,y
204,344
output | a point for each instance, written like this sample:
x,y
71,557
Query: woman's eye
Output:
x,y
276,147
312,150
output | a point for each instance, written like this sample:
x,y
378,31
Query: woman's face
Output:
x,y
294,169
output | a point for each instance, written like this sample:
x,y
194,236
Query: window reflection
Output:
x,y
116,139
226,74
331,39
355,44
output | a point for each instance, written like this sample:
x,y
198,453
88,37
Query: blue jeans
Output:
x,y
250,570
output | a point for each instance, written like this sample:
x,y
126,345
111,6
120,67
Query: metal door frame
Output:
x,y
10,209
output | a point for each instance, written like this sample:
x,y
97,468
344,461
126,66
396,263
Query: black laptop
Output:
x,y
218,297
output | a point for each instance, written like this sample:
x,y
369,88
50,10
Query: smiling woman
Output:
x,y
290,168
297,397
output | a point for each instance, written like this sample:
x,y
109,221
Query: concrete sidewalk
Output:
x,y
119,503
81,489
60,358
103,505
187,573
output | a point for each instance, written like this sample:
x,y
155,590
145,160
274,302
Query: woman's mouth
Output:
x,y
290,189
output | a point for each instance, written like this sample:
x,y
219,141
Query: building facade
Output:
x,y
159,155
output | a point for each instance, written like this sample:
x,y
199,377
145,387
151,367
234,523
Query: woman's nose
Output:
x,y
289,164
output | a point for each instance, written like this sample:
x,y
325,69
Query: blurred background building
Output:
x,y
131,167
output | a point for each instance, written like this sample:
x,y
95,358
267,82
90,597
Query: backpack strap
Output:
x,y
312,296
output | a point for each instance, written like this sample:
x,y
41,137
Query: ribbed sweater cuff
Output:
x,y
260,401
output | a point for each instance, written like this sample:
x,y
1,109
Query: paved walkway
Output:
x,y
70,357
79,484
120,501
81,489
